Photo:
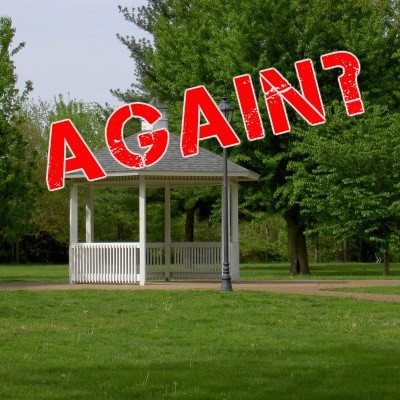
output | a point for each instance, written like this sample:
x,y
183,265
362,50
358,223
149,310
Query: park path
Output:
x,y
315,288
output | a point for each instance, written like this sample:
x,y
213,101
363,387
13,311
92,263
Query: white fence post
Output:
x,y
167,231
234,245
73,230
142,229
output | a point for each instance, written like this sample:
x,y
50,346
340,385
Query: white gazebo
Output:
x,y
132,262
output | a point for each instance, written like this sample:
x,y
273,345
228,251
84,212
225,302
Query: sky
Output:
x,y
72,48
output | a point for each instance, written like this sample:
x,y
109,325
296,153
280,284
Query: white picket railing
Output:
x,y
196,260
119,262
104,262
155,261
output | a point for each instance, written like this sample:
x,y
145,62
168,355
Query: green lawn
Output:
x,y
33,273
256,271
373,290
196,345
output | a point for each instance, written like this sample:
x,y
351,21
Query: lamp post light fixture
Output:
x,y
226,280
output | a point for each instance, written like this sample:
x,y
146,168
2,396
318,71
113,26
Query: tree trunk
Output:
x,y
345,250
17,252
386,263
317,253
189,225
297,244
13,252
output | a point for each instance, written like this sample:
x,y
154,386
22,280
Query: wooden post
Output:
x,y
234,207
167,231
142,230
89,215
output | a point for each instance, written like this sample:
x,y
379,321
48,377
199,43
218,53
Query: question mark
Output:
x,y
348,80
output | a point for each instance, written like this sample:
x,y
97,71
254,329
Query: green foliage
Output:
x,y
349,182
263,239
16,162
208,42
51,210
89,119
26,207
117,215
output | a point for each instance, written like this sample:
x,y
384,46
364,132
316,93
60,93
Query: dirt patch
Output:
x,y
315,288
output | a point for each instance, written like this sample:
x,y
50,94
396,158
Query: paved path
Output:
x,y
316,288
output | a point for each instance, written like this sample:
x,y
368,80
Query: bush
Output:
x,y
263,239
43,248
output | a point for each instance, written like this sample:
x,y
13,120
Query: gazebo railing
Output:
x,y
104,262
196,260
119,262
155,261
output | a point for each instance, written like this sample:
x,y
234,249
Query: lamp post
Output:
x,y
226,281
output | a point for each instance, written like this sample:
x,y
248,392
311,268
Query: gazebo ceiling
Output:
x,y
204,165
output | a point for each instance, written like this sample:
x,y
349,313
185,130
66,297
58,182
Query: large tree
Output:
x,y
16,189
353,190
208,42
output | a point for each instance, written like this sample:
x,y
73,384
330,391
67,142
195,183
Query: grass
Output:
x,y
319,271
196,345
373,290
256,271
33,273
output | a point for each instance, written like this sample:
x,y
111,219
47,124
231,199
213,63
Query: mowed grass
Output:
x,y
196,345
374,290
254,271
263,271
33,273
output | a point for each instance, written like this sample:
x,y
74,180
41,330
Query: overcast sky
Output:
x,y
71,46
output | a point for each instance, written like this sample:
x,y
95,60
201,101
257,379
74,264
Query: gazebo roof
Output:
x,y
205,163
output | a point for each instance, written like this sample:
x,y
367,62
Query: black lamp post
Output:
x,y
226,282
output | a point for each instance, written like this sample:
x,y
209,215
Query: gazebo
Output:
x,y
132,262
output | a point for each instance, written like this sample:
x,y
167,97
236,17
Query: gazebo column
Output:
x,y
89,215
142,230
73,229
167,231
234,247
73,214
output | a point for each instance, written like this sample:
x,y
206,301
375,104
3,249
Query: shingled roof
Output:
x,y
172,163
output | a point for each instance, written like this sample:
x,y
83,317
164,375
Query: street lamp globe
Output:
x,y
226,109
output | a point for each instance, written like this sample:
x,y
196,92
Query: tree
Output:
x,y
208,42
194,201
353,190
89,118
51,212
16,190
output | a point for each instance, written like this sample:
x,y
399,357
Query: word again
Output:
x,y
198,101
